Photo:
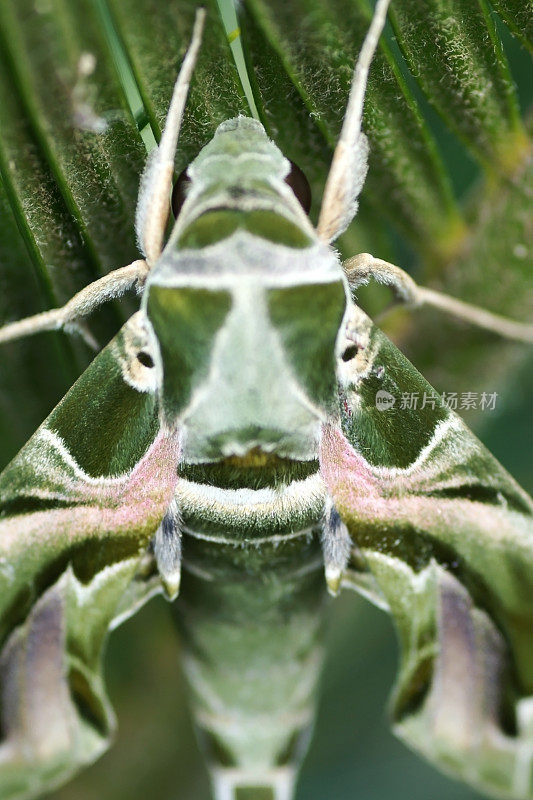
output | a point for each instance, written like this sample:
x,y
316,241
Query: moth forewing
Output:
x,y
446,536
75,527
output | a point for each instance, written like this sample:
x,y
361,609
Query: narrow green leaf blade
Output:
x,y
31,380
454,51
62,71
495,270
518,14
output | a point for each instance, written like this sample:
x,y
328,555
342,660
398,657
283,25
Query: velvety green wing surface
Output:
x,y
78,508
443,539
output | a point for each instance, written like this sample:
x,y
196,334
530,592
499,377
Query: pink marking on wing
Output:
x,y
362,496
357,491
132,506
145,493
346,473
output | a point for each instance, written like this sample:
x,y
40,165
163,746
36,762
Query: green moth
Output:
x,y
227,448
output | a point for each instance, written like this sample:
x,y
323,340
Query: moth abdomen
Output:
x,y
250,612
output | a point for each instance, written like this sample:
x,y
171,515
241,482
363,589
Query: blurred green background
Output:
x,y
448,195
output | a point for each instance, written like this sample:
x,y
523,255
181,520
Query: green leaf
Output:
x,y
469,82
25,387
495,269
62,72
518,14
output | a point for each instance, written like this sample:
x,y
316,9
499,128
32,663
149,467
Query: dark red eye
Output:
x,y
295,179
179,192
300,186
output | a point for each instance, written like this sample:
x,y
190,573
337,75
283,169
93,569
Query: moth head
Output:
x,y
239,171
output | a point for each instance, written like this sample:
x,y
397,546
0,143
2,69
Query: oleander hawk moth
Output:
x,y
227,450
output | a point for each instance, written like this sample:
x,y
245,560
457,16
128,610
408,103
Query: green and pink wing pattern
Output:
x,y
79,506
443,539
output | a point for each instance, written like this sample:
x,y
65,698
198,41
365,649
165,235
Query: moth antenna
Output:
x,y
154,193
349,163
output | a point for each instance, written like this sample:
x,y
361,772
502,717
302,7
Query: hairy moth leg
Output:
x,y
349,164
81,305
151,217
362,268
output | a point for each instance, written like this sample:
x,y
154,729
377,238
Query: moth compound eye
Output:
x,y
300,186
179,192
146,359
